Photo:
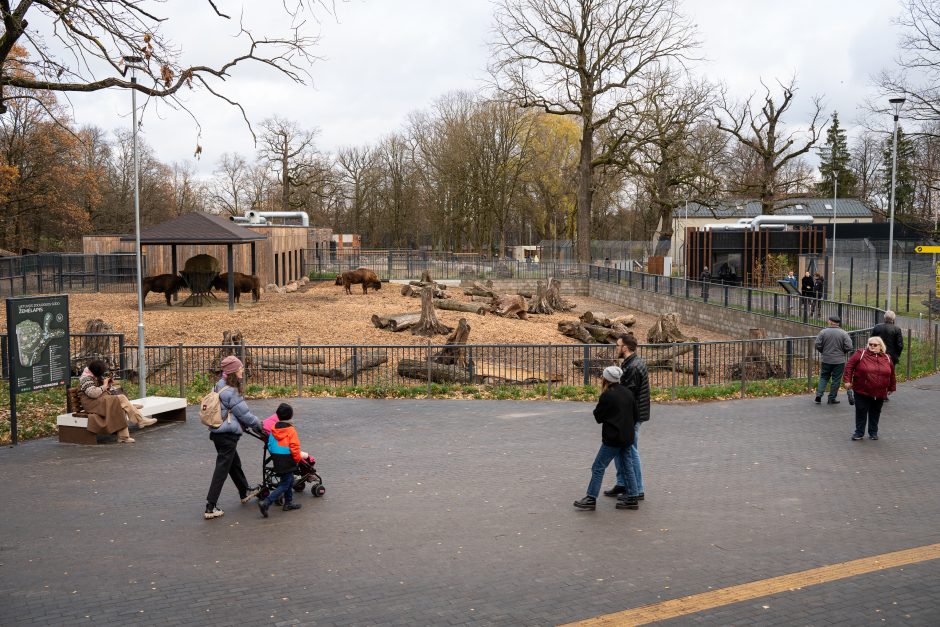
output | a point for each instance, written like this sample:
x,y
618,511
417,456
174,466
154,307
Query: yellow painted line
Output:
x,y
927,249
754,590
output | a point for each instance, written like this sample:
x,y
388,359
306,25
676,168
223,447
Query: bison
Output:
x,y
167,284
244,283
367,277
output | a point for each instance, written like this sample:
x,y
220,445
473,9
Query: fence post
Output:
x,y
428,358
809,362
907,307
96,267
470,364
549,384
675,361
695,360
587,358
909,350
935,331
299,368
671,286
180,374
839,309
122,358
750,294
877,283
775,304
789,361
851,276
355,360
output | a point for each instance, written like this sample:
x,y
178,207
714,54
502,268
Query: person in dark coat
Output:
x,y
616,411
892,337
705,278
819,288
637,379
870,373
806,288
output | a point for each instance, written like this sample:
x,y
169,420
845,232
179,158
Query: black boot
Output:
x,y
616,490
587,503
628,502
289,506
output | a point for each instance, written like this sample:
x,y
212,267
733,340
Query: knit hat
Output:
x,y
231,364
613,374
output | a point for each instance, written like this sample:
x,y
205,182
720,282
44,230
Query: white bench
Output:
x,y
74,429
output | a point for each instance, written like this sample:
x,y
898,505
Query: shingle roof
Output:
x,y
196,228
816,207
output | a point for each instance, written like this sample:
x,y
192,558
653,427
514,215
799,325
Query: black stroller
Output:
x,y
306,472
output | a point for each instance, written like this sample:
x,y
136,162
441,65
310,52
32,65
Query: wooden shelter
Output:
x,y
200,230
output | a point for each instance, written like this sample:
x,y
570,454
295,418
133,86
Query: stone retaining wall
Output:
x,y
732,322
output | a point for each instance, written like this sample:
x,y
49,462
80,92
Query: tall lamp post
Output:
x,y
835,194
896,103
132,62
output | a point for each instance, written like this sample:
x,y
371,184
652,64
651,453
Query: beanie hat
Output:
x,y
231,364
613,374
284,412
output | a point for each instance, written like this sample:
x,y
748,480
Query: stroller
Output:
x,y
306,472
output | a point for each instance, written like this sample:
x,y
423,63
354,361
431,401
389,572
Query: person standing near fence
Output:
x,y
834,345
870,372
791,279
705,278
806,289
819,289
636,378
892,336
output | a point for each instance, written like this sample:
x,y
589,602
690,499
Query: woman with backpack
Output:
x,y
870,373
235,416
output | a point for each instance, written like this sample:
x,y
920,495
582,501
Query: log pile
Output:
x,y
595,327
755,365
414,288
607,320
479,289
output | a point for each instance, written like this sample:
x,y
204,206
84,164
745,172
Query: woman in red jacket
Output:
x,y
870,372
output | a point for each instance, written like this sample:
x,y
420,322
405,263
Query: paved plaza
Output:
x,y
459,512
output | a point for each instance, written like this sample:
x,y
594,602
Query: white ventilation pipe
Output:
x,y
764,220
238,219
724,226
259,217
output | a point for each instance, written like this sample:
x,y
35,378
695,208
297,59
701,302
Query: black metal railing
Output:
x,y
51,273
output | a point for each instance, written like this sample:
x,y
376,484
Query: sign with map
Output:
x,y
38,342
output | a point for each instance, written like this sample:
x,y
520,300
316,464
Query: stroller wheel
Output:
x,y
300,486
318,489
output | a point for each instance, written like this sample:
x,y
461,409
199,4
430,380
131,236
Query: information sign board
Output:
x,y
38,342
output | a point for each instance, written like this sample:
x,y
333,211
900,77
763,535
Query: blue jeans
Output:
x,y
635,487
604,455
827,372
283,489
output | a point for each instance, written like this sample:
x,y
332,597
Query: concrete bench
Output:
x,y
73,427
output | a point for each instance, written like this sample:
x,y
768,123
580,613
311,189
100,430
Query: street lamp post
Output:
x,y
896,103
131,62
835,194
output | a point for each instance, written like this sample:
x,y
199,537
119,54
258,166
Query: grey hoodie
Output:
x,y
834,344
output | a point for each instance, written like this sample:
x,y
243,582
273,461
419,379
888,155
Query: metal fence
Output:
x,y
50,273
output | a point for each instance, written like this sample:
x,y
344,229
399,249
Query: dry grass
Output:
x,y
325,315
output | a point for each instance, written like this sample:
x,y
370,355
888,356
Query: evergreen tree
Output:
x,y
905,187
834,156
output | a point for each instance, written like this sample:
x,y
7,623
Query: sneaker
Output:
x,y
290,506
126,440
252,493
873,437
629,502
856,437
833,401
263,505
587,503
212,512
819,399
616,490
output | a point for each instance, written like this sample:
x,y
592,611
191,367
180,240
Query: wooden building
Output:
x,y
278,255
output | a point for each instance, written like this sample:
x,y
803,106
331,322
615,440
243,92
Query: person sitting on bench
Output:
x,y
107,412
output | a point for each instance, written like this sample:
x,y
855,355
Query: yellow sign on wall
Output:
x,y
927,249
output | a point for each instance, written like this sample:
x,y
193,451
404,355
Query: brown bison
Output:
x,y
167,284
244,283
367,277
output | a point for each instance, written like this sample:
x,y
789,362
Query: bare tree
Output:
x,y
357,168
188,193
230,189
917,76
290,150
79,46
866,165
763,133
590,59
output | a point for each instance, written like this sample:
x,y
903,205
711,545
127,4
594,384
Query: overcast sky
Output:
x,y
382,59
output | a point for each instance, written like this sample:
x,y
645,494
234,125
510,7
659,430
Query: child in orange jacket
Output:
x,y
284,446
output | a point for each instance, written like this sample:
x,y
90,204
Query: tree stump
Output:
x,y
429,325
666,331
509,306
755,365
233,343
426,277
554,296
540,304
97,347
455,351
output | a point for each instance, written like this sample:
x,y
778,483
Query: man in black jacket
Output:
x,y
891,335
616,411
635,378
806,289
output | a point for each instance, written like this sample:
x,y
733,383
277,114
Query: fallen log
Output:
x,y
288,360
571,328
396,322
439,373
455,305
353,365
478,289
509,306
657,356
607,320
414,290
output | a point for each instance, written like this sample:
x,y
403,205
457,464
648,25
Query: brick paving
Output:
x,y
459,512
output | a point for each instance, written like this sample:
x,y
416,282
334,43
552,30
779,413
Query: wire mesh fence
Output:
x,y
50,273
